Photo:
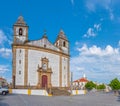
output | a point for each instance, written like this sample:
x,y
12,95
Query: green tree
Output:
x,y
90,85
115,84
101,86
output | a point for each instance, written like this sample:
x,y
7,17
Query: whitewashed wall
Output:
x,y
64,71
78,92
65,50
32,92
19,91
34,58
55,65
39,92
20,66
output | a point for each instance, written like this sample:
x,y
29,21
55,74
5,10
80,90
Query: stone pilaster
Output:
x,y
60,72
13,66
26,68
68,73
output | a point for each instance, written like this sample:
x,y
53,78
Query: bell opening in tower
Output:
x,y
20,31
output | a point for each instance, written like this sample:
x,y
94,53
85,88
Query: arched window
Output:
x,y
20,31
64,44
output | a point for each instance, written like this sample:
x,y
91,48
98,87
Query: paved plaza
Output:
x,y
91,99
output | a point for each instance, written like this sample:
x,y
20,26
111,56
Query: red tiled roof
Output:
x,y
2,78
81,80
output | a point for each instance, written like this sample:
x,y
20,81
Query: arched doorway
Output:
x,y
44,81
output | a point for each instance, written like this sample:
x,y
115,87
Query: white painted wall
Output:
x,y
19,91
65,50
33,92
78,92
39,92
64,71
34,58
20,66
54,61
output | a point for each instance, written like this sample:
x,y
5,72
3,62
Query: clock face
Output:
x,y
44,67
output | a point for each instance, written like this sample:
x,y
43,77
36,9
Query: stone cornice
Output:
x,y
31,47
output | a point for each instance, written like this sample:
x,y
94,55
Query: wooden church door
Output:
x,y
44,81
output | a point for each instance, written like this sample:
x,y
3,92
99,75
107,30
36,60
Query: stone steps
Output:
x,y
59,92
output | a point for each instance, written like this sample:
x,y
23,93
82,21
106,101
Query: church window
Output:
x,y
44,45
20,50
64,44
20,31
19,72
19,61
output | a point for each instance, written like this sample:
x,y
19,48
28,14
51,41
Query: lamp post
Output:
x,y
71,81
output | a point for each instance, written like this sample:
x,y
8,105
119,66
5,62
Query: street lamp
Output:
x,y
71,81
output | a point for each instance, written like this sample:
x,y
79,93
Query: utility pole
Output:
x,y
71,81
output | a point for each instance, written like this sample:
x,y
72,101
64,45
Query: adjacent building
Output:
x,y
3,82
80,83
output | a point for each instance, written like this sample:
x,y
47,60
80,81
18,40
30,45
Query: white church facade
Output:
x,y
39,63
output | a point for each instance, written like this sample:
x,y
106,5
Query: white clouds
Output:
x,y
79,68
99,64
3,38
3,69
4,43
92,5
5,52
111,15
97,27
92,32
94,50
119,43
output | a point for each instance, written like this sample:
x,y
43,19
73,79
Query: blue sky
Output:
x,y
92,27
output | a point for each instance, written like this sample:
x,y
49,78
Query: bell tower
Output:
x,y
20,31
62,42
